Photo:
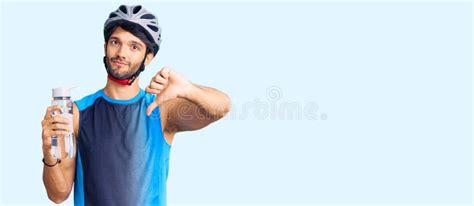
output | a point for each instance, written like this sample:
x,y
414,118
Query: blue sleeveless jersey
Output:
x,y
122,155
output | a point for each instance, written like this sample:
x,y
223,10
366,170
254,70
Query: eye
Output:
x,y
135,47
113,42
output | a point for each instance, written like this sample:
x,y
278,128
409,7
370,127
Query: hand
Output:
x,y
53,126
167,84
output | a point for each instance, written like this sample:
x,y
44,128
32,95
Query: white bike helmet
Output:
x,y
138,15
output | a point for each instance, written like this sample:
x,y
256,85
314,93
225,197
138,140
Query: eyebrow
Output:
x,y
139,44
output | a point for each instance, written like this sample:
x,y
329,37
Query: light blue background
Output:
x,y
392,83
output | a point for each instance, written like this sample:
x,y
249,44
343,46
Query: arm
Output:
x,y
58,180
186,106
196,108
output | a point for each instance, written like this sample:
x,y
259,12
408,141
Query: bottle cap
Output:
x,y
62,91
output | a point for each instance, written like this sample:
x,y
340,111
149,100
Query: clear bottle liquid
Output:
x,y
62,97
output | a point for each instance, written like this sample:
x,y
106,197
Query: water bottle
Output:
x,y
62,97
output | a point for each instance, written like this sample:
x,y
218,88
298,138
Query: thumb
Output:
x,y
158,100
151,107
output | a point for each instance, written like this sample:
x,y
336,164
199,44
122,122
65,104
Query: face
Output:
x,y
124,53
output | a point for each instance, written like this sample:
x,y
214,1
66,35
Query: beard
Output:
x,y
121,72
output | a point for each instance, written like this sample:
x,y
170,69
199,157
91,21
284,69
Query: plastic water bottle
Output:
x,y
62,97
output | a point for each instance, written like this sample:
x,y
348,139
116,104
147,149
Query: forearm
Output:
x,y
215,103
54,180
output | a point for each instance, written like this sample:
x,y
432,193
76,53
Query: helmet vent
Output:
x,y
154,28
147,16
123,9
137,9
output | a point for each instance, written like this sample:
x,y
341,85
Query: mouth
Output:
x,y
119,63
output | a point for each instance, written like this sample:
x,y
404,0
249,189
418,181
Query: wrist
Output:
x,y
49,160
187,90
52,163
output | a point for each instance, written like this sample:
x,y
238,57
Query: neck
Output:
x,y
115,90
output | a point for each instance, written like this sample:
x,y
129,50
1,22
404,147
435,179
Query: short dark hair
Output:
x,y
137,31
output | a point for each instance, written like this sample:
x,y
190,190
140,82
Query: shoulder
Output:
x,y
87,100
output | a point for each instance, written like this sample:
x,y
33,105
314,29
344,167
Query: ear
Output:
x,y
149,57
105,48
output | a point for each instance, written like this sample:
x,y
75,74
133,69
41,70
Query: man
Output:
x,y
123,134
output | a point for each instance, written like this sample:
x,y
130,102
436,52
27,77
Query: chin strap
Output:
x,y
120,81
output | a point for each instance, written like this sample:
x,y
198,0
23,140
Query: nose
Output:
x,y
121,52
